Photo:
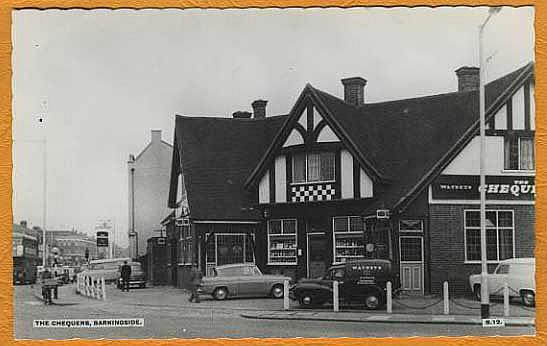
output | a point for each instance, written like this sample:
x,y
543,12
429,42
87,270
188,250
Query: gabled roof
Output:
x,y
217,154
310,93
404,144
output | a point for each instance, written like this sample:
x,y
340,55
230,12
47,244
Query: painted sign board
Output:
x,y
466,187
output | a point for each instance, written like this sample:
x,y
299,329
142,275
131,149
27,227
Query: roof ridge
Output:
x,y
229,118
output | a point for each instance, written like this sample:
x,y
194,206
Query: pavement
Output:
x,y
422,309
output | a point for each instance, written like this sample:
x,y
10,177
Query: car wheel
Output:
x,y
477,292
220,293
307,300
277,291
528,298
373,301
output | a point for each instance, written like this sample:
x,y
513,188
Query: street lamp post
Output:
x,y
44,209
485,306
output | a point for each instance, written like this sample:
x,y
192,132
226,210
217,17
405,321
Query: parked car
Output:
x,y
107,268
519,275
363,281
242,280
137,278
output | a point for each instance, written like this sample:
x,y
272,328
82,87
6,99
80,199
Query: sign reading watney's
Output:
x,y
497,187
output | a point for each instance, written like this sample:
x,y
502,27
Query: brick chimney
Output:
x,y
241,115
23,223
468,78
155,136
259,109
354,90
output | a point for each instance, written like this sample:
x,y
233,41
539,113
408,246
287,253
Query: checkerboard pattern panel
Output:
x,y
312,193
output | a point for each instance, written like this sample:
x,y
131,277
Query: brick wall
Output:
x,y
447,244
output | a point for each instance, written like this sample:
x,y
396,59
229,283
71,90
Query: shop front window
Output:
x,y
282,241
499,235
348,239
228,248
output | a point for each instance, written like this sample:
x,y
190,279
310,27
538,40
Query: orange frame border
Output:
x,y
6,298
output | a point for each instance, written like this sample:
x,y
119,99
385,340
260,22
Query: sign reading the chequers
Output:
x,y
466,187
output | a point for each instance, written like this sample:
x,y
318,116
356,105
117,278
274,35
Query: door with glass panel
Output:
x,y
412,264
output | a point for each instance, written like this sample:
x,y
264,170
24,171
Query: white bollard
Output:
x,y
389,301
445,296
103,286
505,299
286,295
335,302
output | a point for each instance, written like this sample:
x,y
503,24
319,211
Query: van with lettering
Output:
x,y
362,281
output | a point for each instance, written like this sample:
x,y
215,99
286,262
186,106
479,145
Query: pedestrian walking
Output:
x,y
126,275
46,289
195,283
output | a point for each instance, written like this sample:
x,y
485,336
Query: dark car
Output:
x,y
361,281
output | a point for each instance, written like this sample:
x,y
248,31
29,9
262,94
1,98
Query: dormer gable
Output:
x,y
309,125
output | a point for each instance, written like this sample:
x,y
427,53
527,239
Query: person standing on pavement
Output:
x,y
195,283
46,289
126,274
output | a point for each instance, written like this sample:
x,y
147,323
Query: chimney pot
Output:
x,y
241,115
354,90
23,223
468,78
259,109
155,136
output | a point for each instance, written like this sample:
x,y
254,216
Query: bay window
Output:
x,y
499,235
313,167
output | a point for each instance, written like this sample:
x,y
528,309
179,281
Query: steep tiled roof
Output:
x,y
405,141
217,155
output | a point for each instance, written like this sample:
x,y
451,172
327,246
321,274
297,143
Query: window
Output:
x,y
313,167
503,269
499,235
519,153
282,241
185,245
348,238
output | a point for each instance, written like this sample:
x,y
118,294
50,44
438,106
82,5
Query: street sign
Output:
x,y
102,239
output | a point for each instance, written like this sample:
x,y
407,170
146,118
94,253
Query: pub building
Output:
x,y
341,179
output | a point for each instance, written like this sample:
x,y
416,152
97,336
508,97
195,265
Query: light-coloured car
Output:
x,y
106,268
519,275
242,280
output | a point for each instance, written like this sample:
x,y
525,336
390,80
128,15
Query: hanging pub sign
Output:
x,y
466,187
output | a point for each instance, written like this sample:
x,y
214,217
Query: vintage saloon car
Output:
x,y
519,275
238,280
363,281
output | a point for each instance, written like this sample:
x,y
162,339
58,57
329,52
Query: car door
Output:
x,y
251,282
497,279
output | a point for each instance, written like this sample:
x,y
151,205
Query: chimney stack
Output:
x,y
259,109
23,223
156,136
241,115
468,78
354,90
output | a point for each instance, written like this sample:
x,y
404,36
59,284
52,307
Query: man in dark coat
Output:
x,y
126,274
46,289
195,283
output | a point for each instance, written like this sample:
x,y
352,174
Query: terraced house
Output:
x,y
340,179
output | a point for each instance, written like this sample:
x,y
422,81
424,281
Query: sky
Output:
x,y
100,80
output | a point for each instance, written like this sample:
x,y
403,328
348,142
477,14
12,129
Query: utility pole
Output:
x,y
485,299
44,209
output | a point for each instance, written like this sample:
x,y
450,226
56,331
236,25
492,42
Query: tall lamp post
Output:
x,y
485,306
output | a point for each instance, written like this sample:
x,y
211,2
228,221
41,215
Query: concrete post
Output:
x,y
335,301
286,295
389,301
103,286
505,299
445,296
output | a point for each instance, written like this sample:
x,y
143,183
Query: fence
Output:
x,y
92,287
445,299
